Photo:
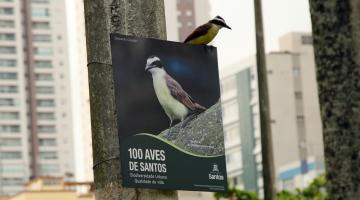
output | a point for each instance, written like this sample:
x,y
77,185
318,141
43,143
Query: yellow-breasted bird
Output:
x,y
205,33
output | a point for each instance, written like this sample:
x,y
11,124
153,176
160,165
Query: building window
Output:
x,y
46,129
8,89
298,95
44,77
10,155
8,102
6,11
10,142
189,13
7,24
7,50
9,115
7,36
7,63
237,180
296,71
43,51
43,64
252,75
9,128
12,168
46,103
232,133
230,111
228,85
307,40
41,25
48,155
52,182
8,76
300,118
49,169
45,90
46,116
234,157
42,38
12,181
47,142
40,12
40,1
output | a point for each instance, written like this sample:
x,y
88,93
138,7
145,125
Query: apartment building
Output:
x,y
295,117
242,128
183,16
81,99
36,135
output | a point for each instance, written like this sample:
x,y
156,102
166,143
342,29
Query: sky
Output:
x,y
280,17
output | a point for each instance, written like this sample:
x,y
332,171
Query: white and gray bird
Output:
x,y
205,33
176,103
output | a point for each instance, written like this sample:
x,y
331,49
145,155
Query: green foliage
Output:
x,y
315,191
236,194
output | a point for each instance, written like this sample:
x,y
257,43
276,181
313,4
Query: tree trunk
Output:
x,y
336,31
129,17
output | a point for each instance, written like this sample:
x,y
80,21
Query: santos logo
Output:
x,y
215,174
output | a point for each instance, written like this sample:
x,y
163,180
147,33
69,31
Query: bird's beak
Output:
x,y
228,27
147,68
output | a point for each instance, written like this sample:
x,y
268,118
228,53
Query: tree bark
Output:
x,y
264,107
129,17
336,31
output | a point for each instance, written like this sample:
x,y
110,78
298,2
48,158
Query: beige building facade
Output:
x,y
55,188
80,94
295,114
36,136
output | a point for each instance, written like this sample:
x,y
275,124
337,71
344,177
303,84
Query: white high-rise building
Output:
x,y
36,137
81,99
295,117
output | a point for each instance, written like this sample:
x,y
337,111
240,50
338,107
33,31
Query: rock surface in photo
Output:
x,y
201,134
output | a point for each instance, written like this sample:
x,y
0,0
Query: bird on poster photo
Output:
x,y
205,33
176,102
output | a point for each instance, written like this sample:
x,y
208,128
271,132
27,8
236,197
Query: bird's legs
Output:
x,y
171,122
181,125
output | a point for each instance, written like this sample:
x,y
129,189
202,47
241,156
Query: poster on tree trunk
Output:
x,y
169,118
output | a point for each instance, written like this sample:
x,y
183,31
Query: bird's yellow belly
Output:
x,y
207,38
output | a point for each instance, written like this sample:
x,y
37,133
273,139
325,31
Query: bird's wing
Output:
x,y
201,30
179,94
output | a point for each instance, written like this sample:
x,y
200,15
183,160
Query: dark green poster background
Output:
x,y
156,81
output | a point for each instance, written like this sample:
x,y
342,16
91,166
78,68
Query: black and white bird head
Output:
x,y
153,64
219,21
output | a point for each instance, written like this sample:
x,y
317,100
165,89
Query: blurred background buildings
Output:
x,y
44,99
295,117
36,134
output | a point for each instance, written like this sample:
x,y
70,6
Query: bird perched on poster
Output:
x,y
205,33
176,103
